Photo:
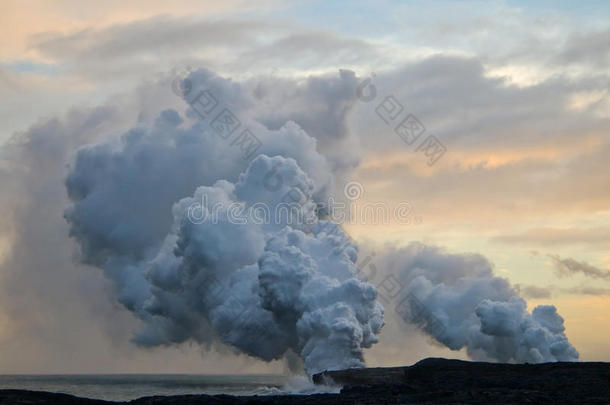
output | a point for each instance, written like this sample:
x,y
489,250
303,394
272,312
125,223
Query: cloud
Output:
x,y
587,48
523,146
40,283
457,300
534,292
599,291
310,47
226,45
569,266
443,92
146,37
596,236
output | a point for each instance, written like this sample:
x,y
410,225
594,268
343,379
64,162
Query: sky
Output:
x,y
517,92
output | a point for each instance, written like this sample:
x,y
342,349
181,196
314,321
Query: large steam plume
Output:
x,y
265,288
141,211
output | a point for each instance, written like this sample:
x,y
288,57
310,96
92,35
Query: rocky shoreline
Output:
x,y
430,381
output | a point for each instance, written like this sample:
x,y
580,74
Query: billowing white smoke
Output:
x,y
159,211
262,287
208,267
456,299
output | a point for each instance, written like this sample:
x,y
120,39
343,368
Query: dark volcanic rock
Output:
x,y
431,381
449,381
41,397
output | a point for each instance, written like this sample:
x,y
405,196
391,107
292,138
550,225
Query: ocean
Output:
x,y
124,387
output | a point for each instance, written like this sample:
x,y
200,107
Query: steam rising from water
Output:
x,y
466,306
272,289
265,289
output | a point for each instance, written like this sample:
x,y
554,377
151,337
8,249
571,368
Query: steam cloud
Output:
x,y
272,289
471,308
265,289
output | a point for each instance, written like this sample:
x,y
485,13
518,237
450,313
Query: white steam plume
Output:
x,y
140,212
267,288
456,299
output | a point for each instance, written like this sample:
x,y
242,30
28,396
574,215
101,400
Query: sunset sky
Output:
x,y
518,94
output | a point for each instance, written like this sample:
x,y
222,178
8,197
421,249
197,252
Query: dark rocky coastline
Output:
x,y
430,381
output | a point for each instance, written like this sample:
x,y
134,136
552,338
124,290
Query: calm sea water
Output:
x,y
130,386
